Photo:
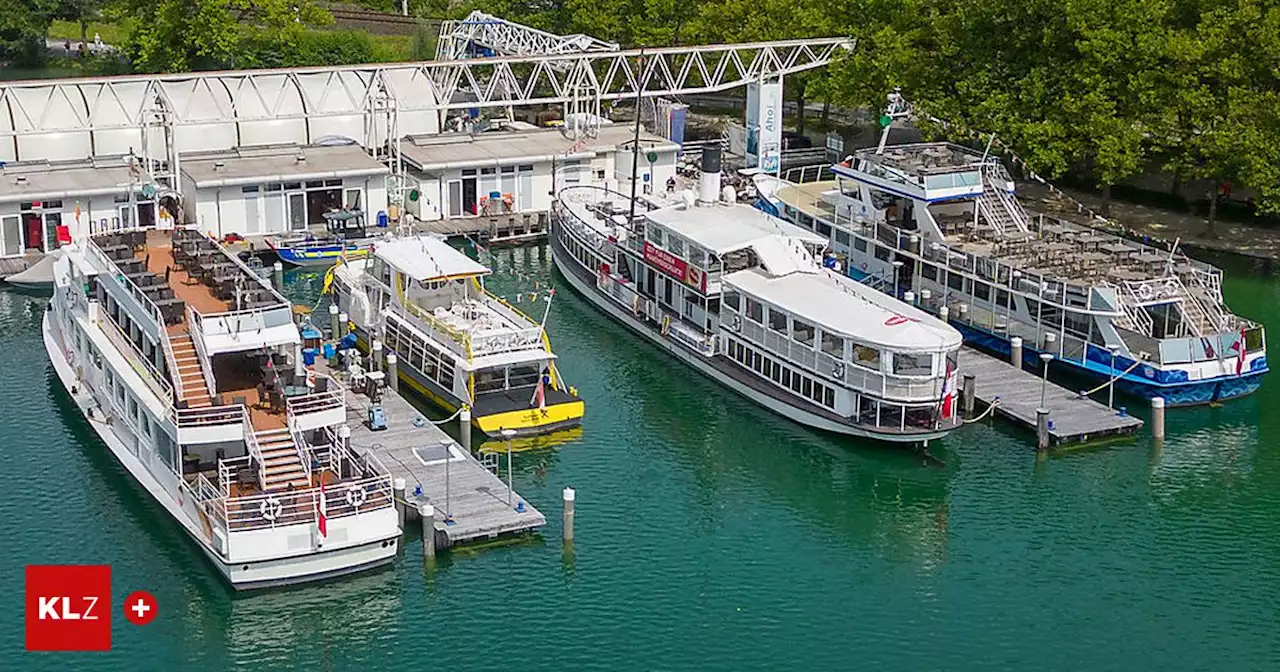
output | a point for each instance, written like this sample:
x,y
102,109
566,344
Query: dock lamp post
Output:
x,y
1044,382
1111,387
509,434
896,265
446,443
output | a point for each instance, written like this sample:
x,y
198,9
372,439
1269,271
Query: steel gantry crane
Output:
x,y
483,34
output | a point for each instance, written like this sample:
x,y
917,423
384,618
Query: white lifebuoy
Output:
x,y
1144,292
838,370
737,323
356,496
270,509
864,267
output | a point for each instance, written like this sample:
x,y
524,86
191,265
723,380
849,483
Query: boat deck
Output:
x,y
1073,419
476,499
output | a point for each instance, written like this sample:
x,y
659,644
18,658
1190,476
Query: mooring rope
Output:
x,y
994,402
1112,381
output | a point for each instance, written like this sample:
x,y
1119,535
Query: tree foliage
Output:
x,y
23,24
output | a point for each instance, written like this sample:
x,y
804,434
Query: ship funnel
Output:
x,y
709,180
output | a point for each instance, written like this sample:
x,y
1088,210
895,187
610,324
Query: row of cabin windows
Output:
x,y
126,406
579,252
782,375
684,249
507,378
420,354
979,290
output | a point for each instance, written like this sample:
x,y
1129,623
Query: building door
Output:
x,y
11,236
469,195
52,220
524,189
33,227
297,212
455,198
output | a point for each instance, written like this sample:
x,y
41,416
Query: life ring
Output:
x,y
270,509
737,323
356,496
1144,292
1171,287
837,371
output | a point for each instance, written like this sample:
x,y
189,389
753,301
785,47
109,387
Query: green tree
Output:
x,y
23,24
184,35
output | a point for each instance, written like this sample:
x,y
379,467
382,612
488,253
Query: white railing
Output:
x,y
333,397
172,362
805,174
255,450
279,509
94,252
210,500
302,448
197,338
240,321
145,369
1134,316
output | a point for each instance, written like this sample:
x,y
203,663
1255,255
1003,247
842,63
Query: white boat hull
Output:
x,y
312,566
788,411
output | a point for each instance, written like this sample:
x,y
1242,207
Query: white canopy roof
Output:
x,y
840,305
426,258
251,339
725,228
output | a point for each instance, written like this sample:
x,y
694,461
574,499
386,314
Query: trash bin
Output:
x,y
383,219
309,356
328,350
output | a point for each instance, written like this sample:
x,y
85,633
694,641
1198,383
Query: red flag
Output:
x,y
1241,348
322,511
948,394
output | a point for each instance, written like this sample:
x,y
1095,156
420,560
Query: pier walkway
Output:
x,y
470,501
1072,419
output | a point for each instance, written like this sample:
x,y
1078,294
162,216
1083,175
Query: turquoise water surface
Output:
x,y
711,535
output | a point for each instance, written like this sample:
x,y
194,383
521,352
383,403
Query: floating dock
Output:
x,y
1072,419
471,502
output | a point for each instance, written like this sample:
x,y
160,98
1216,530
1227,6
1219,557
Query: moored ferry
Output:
x,y
943,222
456,343
740,296
186,364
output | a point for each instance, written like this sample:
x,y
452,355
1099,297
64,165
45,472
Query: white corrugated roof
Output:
x,y
427,258
724,228
841,305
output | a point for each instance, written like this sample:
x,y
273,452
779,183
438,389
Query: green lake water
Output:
x,y
711,535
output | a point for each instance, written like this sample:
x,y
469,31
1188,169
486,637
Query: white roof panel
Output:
x,y
724,228
426,258
841,305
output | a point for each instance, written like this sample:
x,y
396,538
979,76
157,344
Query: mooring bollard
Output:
x,y
277,276
428,513
1157,418
1015,351
393,372
967,390
375,358
569,497
909,297
943,313
1042,429
345,324
464,428
333,321
397,493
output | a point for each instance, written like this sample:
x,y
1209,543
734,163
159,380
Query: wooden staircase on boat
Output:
x,y
189,377
280,457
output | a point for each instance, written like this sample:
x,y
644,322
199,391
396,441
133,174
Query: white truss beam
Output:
x,y
507,38
106,114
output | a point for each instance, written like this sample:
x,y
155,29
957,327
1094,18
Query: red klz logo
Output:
x,y
68,607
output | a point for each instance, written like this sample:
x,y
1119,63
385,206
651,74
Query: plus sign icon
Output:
x,y
140,607
68,607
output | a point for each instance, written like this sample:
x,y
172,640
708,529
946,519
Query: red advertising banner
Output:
x,y
675,266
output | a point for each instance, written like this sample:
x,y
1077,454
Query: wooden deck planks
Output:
x,y
1074,419
477,499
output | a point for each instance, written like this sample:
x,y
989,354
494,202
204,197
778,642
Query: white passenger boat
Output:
x,y
738,295
943,222
456,343
186,365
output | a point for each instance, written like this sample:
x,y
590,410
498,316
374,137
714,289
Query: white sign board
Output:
x,y
764,126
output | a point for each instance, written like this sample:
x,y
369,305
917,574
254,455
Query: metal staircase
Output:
x,y
1000,208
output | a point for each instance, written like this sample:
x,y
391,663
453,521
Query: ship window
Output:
x,y
806,387
828,397
676,246
929,271
731,299
755,361
446,375
133,409
796,379
802,332
982,291
833,345
777,321
489,380
860,244
817,392
523,376
1002,297
777,373
842,237
913,365
882,253
786,378
868,357
955,281
755,311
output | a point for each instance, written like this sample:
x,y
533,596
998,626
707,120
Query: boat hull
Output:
x,y
320,256
253,575
794,413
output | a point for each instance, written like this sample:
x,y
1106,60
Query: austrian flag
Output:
x,y
322,512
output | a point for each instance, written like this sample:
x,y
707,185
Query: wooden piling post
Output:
x,y
393,372
397,493
1157,418
1042,429
428,513
569,497
967,391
